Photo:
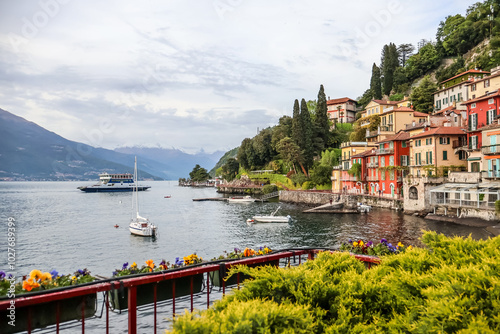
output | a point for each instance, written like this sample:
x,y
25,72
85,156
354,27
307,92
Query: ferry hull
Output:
x,y
111,189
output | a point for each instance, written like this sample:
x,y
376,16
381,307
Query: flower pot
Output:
x,y
45,314
215,276
145,293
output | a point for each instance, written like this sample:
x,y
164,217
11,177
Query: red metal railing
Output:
x,y
131,283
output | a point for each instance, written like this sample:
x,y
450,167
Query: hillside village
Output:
x,y
447,160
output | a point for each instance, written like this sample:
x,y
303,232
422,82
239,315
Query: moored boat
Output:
x,y
139,225
112,183
272,218
245,199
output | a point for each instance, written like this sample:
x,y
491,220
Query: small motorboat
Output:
x,y
245,199
272,218
364,208
167,196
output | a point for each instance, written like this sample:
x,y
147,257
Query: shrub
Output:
x,y
269,188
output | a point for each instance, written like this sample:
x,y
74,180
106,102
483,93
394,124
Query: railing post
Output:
x,y
132,310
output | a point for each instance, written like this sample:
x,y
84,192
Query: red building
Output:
x,y
393,160
481,111
359,183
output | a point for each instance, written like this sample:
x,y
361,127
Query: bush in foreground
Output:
x,y
451,286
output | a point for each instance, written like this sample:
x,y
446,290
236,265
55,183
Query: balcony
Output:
x,y
491,174
385,151
459,143
372,165
371,134
492,149
372,178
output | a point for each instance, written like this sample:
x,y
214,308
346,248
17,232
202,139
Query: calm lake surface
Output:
x,y
60,227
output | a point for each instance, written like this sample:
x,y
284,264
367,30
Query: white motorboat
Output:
x,y
272,218
364,208
245,199
139,225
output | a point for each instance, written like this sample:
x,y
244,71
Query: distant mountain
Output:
x,y
175,161
222,161
30,152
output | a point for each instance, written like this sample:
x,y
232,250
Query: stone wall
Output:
x,y
316,198
417,192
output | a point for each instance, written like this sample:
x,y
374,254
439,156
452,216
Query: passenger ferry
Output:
x,y
113,182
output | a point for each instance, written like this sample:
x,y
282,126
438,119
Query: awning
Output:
x,y
474,159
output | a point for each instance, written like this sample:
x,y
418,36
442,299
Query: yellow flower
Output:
x,y
36,274
46,277
73,278
361,243
400,244
409,247
30,284
134,265
355,244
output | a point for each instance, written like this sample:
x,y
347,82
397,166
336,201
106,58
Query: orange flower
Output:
x,y
30,284
248,252
150,264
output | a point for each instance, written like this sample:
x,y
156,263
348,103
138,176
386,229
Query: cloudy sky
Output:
x,y
191,74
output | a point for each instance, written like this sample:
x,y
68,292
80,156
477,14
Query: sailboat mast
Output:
x,y
136,190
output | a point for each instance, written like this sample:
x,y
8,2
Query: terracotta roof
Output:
x,y
401,135
341,100
445,109
465,82
442,130
484,97
464,73
364,154
420,114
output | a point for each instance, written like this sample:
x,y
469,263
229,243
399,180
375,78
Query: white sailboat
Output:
x,y
140,226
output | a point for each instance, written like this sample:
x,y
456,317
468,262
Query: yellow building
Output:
x,y
392,120
432,152
483,86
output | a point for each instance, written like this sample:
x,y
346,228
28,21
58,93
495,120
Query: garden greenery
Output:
x,y
450,286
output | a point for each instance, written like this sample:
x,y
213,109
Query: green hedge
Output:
x,y
451,286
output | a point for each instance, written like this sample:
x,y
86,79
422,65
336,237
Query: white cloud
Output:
x,y
192,74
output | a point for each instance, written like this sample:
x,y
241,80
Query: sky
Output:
x,y
192,75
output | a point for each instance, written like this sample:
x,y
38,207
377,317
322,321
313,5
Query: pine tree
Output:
x,y
375,84
321,122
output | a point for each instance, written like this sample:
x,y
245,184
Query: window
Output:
x,y
473,105
486,83
391,160
382,175
491,101
428,158
445,155
382,161
403,143
391,175
490,115
413,193
459,96
473,142
473,122
404,160
473,87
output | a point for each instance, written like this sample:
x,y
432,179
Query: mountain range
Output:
x,y
30,152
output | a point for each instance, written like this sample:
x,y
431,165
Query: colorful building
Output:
x,y
350,149
434,151
491,150
454,91
481,112
485,85
393,160
341,110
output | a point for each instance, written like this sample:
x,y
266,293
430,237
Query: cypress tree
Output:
x,y
321,122
390,60
296,124
307,134
375,84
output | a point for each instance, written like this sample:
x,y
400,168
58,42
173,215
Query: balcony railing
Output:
x,y
458,143
385,151
372,165
491,174
372,178
492,149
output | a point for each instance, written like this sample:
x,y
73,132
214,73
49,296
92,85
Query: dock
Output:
x,y
336,207
220,199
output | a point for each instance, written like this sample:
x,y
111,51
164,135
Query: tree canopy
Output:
x,y
199,174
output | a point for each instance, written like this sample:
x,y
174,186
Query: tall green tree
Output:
x,y
321,122
296,124
199,174
389,64
404,52
422,98
230,169
244,152
375,83
290,153
307,129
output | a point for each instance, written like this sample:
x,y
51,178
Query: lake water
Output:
x,y
60,227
